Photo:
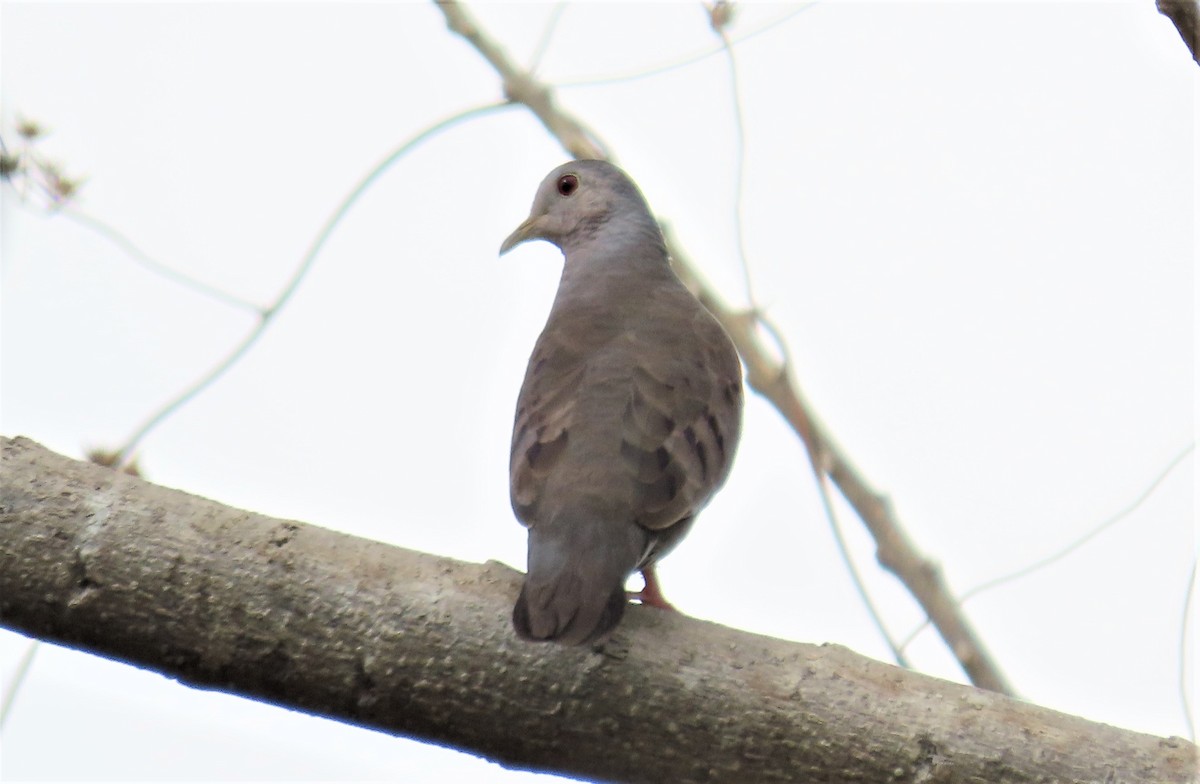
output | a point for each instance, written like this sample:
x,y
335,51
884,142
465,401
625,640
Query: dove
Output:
x,y
629,414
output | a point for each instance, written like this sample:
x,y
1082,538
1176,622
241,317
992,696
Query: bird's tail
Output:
x,y
574,592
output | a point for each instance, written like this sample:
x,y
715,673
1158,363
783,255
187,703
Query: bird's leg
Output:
x,y
651,593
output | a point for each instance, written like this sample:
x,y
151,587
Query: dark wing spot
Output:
x,y
689,435
644,422
543,454
716,431
644,464
660,493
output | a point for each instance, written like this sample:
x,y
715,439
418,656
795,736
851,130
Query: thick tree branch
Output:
x,y
894,549
421,646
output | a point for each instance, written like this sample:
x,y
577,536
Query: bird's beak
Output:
x,y
528,230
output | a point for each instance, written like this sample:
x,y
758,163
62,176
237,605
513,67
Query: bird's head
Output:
x,y
577,201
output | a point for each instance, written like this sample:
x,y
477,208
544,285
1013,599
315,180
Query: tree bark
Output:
x,y
421,646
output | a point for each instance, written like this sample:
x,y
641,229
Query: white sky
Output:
x,y
973,223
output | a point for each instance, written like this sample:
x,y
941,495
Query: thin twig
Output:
x,y
268,315
1090,535
14,685
1183,657
682,62
894,550
157,267
859,584
1066,550
44,175
543,43
739,160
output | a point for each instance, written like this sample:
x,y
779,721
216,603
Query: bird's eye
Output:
x,y
567,184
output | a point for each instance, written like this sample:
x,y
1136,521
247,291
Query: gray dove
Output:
x,y
629,414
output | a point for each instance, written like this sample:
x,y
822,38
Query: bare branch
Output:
x,y
894,550
520,87
421,646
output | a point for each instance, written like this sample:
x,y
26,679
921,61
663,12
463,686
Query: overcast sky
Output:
x,y
973,224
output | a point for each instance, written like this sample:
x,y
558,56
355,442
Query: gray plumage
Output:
x,y
629,414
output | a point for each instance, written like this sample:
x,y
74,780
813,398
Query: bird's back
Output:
x,y
626,425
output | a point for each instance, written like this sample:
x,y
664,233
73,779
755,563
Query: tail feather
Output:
x,y
547,613
574,593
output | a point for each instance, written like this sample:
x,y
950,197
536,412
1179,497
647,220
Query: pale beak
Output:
x,y
528,230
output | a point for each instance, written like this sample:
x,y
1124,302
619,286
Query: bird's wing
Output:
x,y
546,410
682,420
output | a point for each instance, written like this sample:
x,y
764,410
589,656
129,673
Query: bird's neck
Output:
x,y
615,234
605,288
614,273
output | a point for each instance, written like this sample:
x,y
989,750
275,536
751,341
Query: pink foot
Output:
x,y
651,593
